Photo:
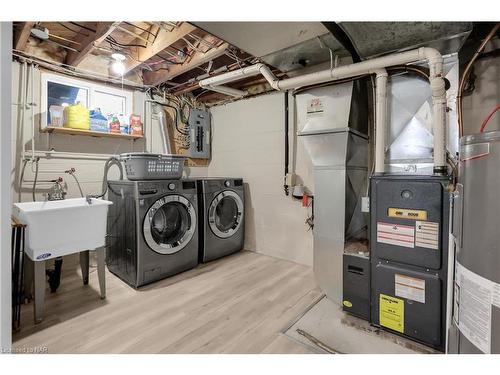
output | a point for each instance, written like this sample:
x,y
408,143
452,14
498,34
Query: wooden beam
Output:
x,y
198,58
87,43
22,36
163,40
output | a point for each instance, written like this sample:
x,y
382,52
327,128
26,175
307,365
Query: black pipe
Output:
x,y
287,145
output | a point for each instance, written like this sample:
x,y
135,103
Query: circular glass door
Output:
x,y
169,224
225,214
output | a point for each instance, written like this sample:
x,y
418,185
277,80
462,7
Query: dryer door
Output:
x,y
169,224
225,214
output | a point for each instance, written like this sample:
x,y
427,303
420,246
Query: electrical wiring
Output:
x,y
466,74
176,115
112,40
344,80
36,161
233,55
310,216
488,118
21,178
324,46
192,46
405,68
109,38
72,71
452,164
201,93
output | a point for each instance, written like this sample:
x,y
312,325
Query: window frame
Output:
x,y
90,86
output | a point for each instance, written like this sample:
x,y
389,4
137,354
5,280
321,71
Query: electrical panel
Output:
x,y
199,134
409,256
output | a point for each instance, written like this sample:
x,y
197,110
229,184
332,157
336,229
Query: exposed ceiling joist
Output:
x,y
22,36
87,43
198,58
163,40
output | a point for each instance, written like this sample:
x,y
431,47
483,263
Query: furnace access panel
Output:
x,y
409,252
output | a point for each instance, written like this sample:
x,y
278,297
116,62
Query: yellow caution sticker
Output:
x,y
347,303
404,213
392,313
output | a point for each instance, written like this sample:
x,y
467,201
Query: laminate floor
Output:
x,y
239,304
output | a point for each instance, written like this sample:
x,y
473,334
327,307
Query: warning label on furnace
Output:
x,y
427,234
396,234
409,287
315,107
392,313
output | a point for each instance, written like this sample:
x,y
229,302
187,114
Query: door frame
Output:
x,y
5,182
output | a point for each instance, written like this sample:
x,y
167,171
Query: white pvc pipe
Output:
x,y
32,105
430,55
232,76
72,155
162,117
380,119
226,90
24,94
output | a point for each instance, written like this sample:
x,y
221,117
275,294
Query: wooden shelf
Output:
x,y
88,133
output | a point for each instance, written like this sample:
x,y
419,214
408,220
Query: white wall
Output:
x,y
5,200
89,172
248,142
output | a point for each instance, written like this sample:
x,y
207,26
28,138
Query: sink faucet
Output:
x,y
88,197
57,191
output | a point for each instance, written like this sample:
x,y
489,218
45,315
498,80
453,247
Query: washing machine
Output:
x,y
152,229
221,217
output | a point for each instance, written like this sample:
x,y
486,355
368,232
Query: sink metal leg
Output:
x,y
84,265
29,271
101,270
39,281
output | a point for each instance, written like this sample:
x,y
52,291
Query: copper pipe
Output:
x,y
465,76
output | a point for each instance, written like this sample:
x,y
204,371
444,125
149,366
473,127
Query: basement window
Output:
x,y
61,91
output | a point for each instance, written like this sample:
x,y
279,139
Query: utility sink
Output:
x,y
57,228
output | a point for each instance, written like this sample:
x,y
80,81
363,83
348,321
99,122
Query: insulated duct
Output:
x,y
372,66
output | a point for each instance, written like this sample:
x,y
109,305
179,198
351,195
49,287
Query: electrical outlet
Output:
x,y
365,204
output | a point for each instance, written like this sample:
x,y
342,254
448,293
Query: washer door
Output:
x,y
169,224
225,214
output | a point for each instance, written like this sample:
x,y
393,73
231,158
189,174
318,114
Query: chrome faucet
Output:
x,y
57,192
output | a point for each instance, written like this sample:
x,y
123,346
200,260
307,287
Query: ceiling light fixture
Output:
x,y
118,66
118,56
40,32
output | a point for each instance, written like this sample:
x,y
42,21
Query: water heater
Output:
x,y
476,307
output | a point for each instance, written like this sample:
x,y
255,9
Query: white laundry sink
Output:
x,y
57,228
